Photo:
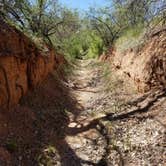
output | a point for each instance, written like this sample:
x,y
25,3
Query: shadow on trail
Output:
x,y
42,120
52,105
153,99
96,124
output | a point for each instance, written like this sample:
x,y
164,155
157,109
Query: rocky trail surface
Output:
x,y
93,117
114,124
84,135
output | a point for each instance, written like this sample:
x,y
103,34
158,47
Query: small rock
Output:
x,y
72,125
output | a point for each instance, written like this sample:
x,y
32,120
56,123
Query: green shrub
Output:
x,y
131,38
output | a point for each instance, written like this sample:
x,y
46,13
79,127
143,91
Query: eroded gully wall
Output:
x,y
146,68
22,65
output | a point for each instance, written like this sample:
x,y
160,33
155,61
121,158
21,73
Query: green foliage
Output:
x,y
84,44
122,22
104,26
126,18
131,38
85,47
96,46
45,19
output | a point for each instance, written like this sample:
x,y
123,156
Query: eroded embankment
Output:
x,y
36,122
22,65
145,67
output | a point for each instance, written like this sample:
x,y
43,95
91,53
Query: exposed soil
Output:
x,y
90,119
145,64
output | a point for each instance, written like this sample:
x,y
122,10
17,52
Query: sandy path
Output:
x,y
129,137
84,138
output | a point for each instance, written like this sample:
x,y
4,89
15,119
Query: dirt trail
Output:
x,y
91,118
85,135
116,126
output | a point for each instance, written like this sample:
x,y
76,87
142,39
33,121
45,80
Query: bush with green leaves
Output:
x,y
131,38
121,23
